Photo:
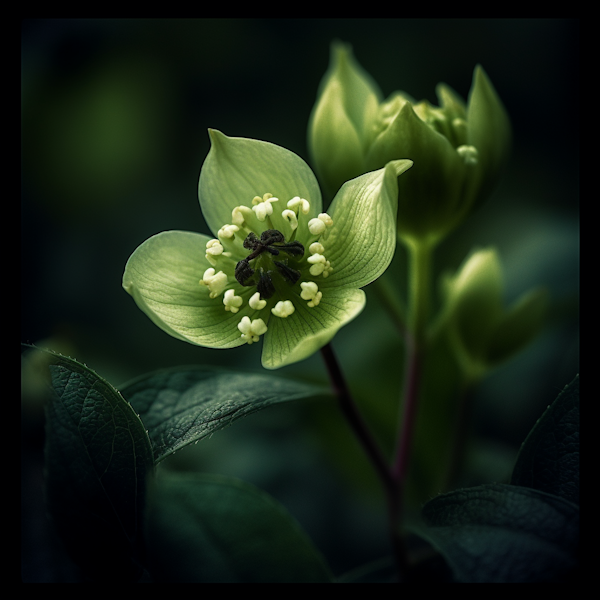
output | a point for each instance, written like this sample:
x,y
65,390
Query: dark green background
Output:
x,y
114,132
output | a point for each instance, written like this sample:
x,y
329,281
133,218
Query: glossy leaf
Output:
x,y
213,529
184,405
503,533
549,457
98,456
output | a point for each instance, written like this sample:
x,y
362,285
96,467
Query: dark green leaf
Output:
x,y
381,571
98,456
504,533
210,528
549,457
183,405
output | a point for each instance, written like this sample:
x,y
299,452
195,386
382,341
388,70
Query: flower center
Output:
x,y
258,268
265,247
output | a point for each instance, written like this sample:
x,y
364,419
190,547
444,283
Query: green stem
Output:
x,y
418,313
361,431
419,255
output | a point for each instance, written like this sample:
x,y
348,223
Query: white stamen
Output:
x,y
310,291
263,210
284,308
262,206
214,247
316,226
215,282
256,303
469,154
238,214
290,216
231,301
326,219
251,330
227,231
320,265
299,204
319,225
316,248
315,259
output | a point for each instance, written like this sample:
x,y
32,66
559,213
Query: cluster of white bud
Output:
x,y
319,264
246,221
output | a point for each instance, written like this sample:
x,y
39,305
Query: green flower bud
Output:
x,y
458,150
482,332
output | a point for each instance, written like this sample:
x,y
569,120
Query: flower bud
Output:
x,y
482,332
458,150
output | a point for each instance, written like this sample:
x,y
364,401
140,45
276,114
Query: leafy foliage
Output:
x,y
527,531
183,405
201,527
98,456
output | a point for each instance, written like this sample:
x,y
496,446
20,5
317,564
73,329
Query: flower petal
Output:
x,y
489,129
333,142
238,169
431,195
361,242
163,275
307,330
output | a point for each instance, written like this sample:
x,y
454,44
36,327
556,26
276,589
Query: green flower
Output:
x,y
278,267
483,333
458,150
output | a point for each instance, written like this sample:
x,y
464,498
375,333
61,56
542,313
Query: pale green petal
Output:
x,y
489,130
431,194
361,243
361,95
296,337
238,169
163,275
333,141
475,301
453,105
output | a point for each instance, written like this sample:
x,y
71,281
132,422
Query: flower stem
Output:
x,y
418,312
361,431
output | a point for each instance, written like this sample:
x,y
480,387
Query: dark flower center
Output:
x,y
271,242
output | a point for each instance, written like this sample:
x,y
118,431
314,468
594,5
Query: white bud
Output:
x,y
214,247
256,303
316,259
310,292
231,301
469,154
227,231
299,204
215,282
290,216
251,330
316,226
284,308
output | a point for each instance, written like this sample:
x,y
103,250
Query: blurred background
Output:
x,y
114,118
